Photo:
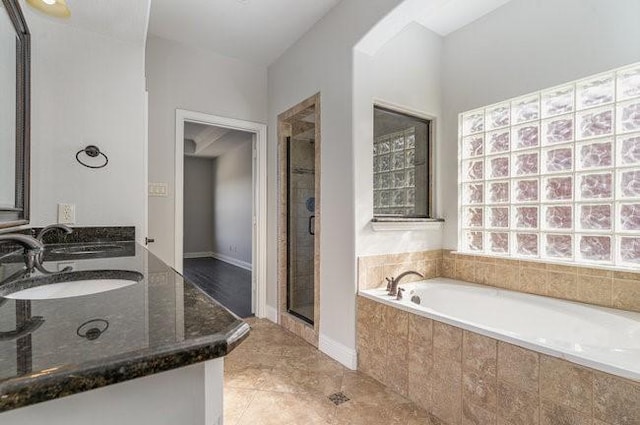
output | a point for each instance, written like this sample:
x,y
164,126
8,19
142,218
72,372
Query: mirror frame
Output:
x,y
11,217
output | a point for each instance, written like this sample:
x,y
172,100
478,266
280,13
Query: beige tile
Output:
x,y
626,275
562,285
518,366
626,294
616,401
531,280
480,353
420,389
465,270
506,276
447,390
553,414
449,268
485,273
566,384
587,271
275,408
290,380
475,415
396,374
420,331
420,360
594,290
447,341
236,400
479,389
516,406
395,322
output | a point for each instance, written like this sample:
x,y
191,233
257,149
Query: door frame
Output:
x,y
259,225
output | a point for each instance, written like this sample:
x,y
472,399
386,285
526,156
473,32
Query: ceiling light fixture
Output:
x,y
57,8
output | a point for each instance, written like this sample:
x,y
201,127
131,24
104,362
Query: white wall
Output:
x,y
522,47
322,61
86,89
182,77
198,204
233,201
404,72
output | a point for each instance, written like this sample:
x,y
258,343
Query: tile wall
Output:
x,y
608,288
466,378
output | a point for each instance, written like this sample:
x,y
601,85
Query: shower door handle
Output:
x,y
312,230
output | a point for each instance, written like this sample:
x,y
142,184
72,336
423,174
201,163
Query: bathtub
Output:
x,y
597,337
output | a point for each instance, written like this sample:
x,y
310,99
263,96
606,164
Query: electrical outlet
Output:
x,y
66,213
158,190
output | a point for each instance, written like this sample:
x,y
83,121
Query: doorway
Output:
x,y
299,226
217,146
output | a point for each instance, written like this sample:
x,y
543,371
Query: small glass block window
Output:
x,y
401,164
556,174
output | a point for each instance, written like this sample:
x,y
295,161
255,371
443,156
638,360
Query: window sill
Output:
x,y
400,224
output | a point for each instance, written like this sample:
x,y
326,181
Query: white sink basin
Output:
x,y
67,285
69,289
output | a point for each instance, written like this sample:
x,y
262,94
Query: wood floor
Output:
x,y
226,283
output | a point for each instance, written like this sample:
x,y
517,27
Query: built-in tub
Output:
x,y
600,338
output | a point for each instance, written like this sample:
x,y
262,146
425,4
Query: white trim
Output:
x,y
259,201
204,254
232,261
271,314
383,226
338,352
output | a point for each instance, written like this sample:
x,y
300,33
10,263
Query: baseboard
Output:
x,y
221,257
233,261
271,314
198,254
338,352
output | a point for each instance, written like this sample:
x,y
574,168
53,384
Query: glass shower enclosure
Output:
x,y
301,208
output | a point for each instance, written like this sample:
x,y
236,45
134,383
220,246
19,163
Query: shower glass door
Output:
x,y
301,206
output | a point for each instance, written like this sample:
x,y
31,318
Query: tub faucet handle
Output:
x,y
399,296
389,283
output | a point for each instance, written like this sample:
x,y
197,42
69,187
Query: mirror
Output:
x,y
14,116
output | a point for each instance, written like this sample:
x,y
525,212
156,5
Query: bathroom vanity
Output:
x,y
138,345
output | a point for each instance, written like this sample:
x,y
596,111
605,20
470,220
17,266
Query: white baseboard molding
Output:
x,y
338,352
232,261
198,254
271,314
221,257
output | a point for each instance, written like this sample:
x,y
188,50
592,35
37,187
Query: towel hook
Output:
x,y
92,151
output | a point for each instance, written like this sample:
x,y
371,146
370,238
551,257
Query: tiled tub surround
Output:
x,y
599,286
158,324
463,377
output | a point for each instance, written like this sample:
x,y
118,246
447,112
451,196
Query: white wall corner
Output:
x,y
339,352
271,313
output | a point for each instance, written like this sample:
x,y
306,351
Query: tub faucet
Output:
x,y
32,248
392,283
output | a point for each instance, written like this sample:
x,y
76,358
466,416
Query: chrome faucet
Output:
x,y
41,234
392,283
63,227
33,248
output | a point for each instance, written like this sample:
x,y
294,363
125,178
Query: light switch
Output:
x,y
158,189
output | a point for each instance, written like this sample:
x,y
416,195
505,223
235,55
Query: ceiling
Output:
x,y
440,16
210,141
123,19
257,31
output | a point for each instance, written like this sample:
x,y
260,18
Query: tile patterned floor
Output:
x,y
274,377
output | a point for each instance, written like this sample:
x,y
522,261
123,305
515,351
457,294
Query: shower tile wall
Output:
x,y
303,189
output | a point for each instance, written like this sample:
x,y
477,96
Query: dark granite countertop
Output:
x,y
57,347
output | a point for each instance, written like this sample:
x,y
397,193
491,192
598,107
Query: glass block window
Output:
x,y
400,165
555,174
